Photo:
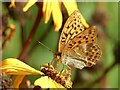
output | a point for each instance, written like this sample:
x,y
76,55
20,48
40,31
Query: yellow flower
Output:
x,y
55,76
50,83
14,66
54,7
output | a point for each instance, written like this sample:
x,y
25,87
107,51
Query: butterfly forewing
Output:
x,y
72,27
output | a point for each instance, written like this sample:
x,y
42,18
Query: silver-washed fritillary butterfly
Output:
x,y
77,44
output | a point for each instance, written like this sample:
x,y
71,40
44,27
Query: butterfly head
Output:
x,y
58,56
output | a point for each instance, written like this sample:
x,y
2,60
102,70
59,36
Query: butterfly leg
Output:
x,y
62,70
56,65
49,65
68,73
53,62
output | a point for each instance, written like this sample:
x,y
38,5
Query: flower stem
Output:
x,y
103,75
28,41
31,35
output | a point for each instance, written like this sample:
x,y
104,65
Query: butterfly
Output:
x,y
77,44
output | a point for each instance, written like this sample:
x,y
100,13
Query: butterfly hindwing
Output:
x,y
85,37
93,54
82,56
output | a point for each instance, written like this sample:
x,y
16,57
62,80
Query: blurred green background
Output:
x,y
38,55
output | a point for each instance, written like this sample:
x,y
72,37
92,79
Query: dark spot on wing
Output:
x,y
95,49
63,37
65,34
92,37
76,32
86,41
74,28
93,46
84,37
80,29
71,33
74,42
72,25
68,27
70,44
78,25
79,42
79,37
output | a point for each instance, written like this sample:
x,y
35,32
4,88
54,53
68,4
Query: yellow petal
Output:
x,y
50,83
29,4
12,4
47,8
71,6
17,67
57,15
18,81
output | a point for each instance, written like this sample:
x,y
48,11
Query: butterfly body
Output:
x,y
77,44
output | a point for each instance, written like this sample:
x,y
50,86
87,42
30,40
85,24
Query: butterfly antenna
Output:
x,y
46,47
